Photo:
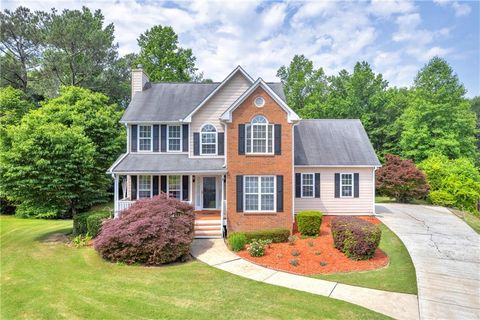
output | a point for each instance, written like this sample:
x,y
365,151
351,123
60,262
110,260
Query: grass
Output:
x,y
383,199
51,281
398,276
472,220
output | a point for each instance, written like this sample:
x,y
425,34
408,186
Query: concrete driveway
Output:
x,y
446,255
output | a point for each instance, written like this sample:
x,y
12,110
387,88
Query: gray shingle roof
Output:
x,y
333,142
168,163
173,101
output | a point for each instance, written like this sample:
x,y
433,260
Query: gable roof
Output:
x,y
238,69
291,115
177,102
333,143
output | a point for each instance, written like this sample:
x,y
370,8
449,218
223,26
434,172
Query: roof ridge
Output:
x,y
179,82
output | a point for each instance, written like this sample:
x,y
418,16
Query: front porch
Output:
x,y
205,192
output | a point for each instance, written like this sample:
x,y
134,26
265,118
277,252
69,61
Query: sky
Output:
x,y
396,37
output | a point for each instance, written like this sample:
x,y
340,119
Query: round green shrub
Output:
x,y
237,241
94,222
309,222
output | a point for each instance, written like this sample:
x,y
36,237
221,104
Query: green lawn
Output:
x,y
51,281
398,276
472,220
382,199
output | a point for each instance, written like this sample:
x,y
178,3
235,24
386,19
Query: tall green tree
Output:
x,y
13,106
438,119
41,162
302,83
163,59
119,77
21,39
475,103
79,49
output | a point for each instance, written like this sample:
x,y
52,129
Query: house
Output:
x,y
240,155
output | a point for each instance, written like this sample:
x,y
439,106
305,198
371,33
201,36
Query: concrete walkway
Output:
x,y
446,255
214,252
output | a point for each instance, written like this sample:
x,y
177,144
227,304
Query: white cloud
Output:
x,y
262,36
386,8
461,9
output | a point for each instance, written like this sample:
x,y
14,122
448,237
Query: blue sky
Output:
x,y
396,37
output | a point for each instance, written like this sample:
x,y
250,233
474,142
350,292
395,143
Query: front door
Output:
x,y
209,193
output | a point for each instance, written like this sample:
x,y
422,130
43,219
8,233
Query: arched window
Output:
x,y
208,140
259,137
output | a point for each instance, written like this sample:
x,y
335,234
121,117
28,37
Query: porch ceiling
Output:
x,y
167,163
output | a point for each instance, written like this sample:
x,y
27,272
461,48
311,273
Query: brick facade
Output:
x,y
259,165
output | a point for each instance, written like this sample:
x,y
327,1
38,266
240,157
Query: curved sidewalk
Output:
x,y
215,253
446,255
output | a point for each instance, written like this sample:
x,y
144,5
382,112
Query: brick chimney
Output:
x,y
139,79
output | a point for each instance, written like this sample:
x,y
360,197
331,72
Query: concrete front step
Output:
x,y
217,227
210,233
208,222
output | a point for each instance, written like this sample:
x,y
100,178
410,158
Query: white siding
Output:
x,y
139,79
328,204
213,109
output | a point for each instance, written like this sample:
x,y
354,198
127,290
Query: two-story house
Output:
x,y
240,155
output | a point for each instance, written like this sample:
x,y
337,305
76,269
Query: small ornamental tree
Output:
x,y
152,231
401,179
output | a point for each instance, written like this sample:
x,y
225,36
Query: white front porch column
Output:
x,y
115,196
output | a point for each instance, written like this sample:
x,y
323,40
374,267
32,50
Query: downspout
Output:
x,y
293,173
373,186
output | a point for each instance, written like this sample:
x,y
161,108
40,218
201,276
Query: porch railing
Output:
x,y
123,205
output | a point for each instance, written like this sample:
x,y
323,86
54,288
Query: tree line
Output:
x,y
431,123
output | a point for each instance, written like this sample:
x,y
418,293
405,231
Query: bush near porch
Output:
x,y
152,231
309,222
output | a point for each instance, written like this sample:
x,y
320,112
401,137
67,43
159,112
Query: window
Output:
x,y
145,138
174,138
308,189
346,184
208,140
259,136
174,187
259,193
144,187
259,102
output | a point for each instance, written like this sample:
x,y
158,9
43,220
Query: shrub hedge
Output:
x,y
152,231
309,222
80,223
356,238
274,235
237,241
94,222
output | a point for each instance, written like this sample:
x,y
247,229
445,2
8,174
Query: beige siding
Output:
x,y
139,79
213,109
328,204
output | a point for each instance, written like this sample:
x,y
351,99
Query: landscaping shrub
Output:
x,y
292,239
94,222
80,223
294,262
309,222
152,231
257,247
356,238
454,183
274,235
237,241
400,179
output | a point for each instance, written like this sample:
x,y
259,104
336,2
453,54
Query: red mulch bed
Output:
x,y
278,255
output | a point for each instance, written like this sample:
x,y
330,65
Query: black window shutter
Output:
x,y
298,185
279,193
156,133
196,143
185,188
278,139
221,144
241,139
155,185
185,137
317,185
337,185
239,193
356,185
133,138
133,191
163,183
163,138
